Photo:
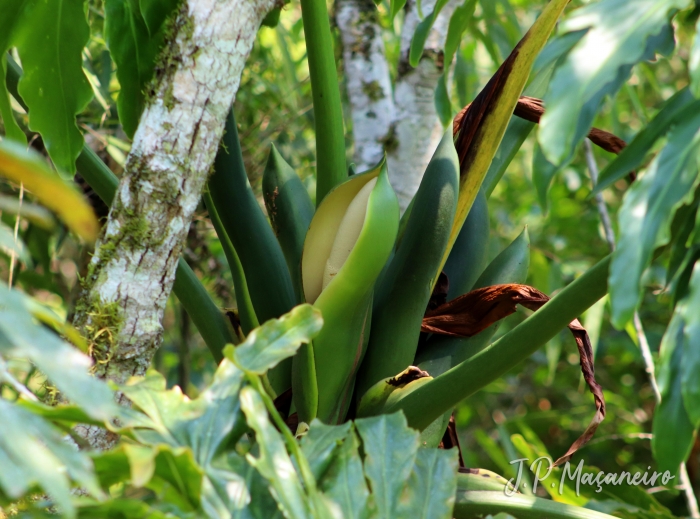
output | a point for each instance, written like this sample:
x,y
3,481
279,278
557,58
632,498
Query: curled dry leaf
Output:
x,y
472,313
531,109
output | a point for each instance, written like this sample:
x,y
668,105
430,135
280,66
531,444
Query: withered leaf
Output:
x,y
472,313
531,109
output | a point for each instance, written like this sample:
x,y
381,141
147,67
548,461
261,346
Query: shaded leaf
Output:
x,y
431,489
421,33
12,129
690,367
9,245
471,313
390,451
276,340
135,33
28,168
694,63
599,64
647,211
672,429
53,84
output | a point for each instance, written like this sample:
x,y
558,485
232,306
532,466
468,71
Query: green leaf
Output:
x,y
617,38
345,483
421,34
12,129
479,503
647,211
27,167
290,210
65,366
53,84
276,340
633,154
394,7
496,104
406,284
390,452
672,429
273,463
34,452
321,443
135,33
690,367
10,245
694,63
430,493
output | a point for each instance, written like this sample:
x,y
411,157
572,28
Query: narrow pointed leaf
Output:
x,y
647,211
690,367
599,64
12,129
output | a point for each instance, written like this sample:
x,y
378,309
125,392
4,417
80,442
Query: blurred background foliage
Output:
x,y
544,399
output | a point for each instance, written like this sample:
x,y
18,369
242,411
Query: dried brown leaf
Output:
x,y
472,313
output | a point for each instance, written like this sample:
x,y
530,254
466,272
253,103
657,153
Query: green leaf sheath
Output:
x,y
206,316
246,312
479,503
331,168
55,25
135,39
626,38
469,254
346,302
407,283
266,273
290,210
647,211
429,401
634,153
441,352
672,429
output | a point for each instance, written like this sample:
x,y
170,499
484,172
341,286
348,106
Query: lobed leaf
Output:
x,y
617,38
430,493
390,452
276,340
54,85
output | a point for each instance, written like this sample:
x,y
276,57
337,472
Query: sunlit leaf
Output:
x,y
694,63
34,452
431,488
53,84
273,462
647,211
321,443
390,452
421,33
599,64
12,129
26,167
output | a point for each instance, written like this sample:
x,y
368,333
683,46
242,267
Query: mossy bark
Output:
x,y
132,272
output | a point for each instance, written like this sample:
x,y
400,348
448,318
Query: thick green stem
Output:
x,y
331,169
206,316
474,504
430,401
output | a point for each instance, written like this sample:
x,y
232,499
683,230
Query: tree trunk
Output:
x,y
133,269
406,124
